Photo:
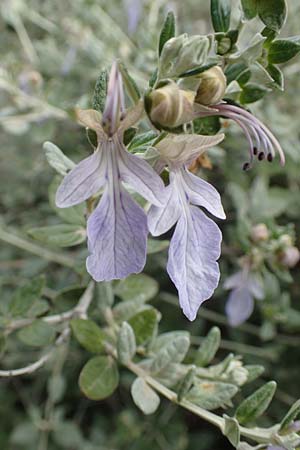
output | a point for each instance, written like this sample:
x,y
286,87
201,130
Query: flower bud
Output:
x,y
260,233
290,257
212,87
286,240
168,106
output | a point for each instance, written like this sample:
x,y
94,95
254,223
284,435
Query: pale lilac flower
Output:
x,y
196,242
262,142
134,11
117,228
275,447
244,288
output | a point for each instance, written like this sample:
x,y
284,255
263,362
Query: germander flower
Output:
x,y
117,228
196,242
244,288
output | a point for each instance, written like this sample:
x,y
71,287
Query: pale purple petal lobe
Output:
x,y
83,181
192,266
161,219
201,193
117,237
140,176
239,306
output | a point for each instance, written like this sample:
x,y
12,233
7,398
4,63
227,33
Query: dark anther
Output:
x,y
246,166
270,157
255,151
261,156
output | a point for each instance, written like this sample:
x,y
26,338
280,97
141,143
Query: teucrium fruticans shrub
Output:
x,y
137,183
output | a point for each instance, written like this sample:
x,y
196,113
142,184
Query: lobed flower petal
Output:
x,y
140,176
117,236
180,150
92,119
194,249
161,219
83,181
239,306
201,193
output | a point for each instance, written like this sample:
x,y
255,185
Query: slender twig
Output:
x,y
36,249
80,310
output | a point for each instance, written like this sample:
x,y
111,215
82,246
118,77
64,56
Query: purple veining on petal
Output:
x,y
117,232
161,219
194,249
83,181
201,193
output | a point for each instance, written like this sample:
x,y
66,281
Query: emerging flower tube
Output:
x,y
117,228
196,242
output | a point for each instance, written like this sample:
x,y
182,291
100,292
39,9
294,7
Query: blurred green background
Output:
x,y
51,54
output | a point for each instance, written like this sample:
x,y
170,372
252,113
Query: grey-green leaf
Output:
x,y
99,377
208,348
57,159
38,334
282,50
62,235
144,396
144,325
186,383
99,97
272,13
24,297
256,404
220,11
88,334
249,8
292,414
174,352
277,76
252,92
126,344
129,83
138,287
232,430
167,32
211,394
156,246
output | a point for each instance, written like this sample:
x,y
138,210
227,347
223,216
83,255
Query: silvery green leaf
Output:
x,y
145,398
126,344
38,334
127,309
172,374
220,11
232,430
291,415
252,92
74,214
25,297
211,394
173,352
272,13
166,338
252,52
142,141
67,435
57,159
249,8
256,404
129,83
276,75
254,371
139,287
99,377
186,383
208,348
56,387
156,246
100,91
282,50
63,235
168,31
144,324
88,334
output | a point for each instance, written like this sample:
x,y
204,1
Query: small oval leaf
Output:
x,y
88,334
256,404
99,377
144,396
